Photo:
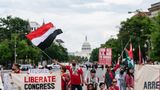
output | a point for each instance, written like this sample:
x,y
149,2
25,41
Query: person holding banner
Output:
x,y
76,74
65,79
16,68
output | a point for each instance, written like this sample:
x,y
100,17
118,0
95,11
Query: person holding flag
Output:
x,y
76,75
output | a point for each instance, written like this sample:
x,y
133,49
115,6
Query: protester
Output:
x,y
120,77
102,86
76,74
113,85
90,87
93,79
102,66
129,79
16,68
65,79
110,74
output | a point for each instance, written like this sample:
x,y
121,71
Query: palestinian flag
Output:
x,y
44,36
129,56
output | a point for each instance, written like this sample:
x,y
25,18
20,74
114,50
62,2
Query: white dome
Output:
x,y
86,46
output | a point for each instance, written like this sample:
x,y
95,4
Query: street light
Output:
x,y
148,46
15,52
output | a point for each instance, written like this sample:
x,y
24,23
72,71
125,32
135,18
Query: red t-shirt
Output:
x,y
65,81
114,88
75,77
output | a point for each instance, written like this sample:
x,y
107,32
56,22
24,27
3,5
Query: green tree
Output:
x,y
10,25
94,54
56,52
138,29
5,52
155,39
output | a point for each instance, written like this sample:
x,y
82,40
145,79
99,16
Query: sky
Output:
x,y
99,20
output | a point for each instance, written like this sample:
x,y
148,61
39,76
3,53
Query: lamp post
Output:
x,y
15,52
148,46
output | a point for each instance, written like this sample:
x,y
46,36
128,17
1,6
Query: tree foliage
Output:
x,y
12,39
140,30
94,54
155,39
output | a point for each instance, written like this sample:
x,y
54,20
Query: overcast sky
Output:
x,y
98,19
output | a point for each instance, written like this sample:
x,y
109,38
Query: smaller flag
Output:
x,y
44,36
130,52
129,56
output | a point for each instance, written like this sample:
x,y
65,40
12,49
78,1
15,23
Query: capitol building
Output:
x,y
85,50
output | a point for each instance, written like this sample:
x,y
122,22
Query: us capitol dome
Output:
x,y
85,50
86,47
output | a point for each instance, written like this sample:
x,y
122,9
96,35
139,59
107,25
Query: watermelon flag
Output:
x,y
129,56
44,36
130,51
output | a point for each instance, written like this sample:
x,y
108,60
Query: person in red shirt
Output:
x,y
76,74
129,79
113,86
16,68
65,79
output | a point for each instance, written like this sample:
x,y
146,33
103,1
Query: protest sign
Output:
x,y
105,56
1,85
147,77
38,71
42,81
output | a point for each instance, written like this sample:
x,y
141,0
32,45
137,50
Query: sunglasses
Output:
x,y
114,81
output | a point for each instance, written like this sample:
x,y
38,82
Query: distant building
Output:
x,y
85,50
33,25
154,9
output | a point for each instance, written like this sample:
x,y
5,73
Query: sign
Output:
x,y
43,81
105,56
38,71
147,77
1,85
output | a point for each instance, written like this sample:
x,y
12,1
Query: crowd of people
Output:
x,y
116,77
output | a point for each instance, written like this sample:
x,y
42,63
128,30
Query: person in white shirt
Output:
x,y
120,77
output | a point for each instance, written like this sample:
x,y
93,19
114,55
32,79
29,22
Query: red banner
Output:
x,y
105,56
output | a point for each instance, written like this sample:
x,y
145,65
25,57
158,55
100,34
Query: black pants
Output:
x,y
73,87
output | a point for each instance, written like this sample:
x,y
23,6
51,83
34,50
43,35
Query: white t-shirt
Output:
x,y
120,81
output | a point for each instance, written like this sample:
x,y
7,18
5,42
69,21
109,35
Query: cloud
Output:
x,y
124,2
98,19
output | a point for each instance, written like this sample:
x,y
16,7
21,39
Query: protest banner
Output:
x,y
38,71
105,56
147,77
1,85
43,81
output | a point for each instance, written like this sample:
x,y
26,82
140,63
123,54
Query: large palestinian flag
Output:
x,y
44,36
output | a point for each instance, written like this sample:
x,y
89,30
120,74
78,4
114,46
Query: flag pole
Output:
x,y
43,52
125,47
47,55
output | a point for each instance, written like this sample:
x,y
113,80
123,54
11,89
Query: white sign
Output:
x,y
105,56
147,77
38,71
1,85
34,81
